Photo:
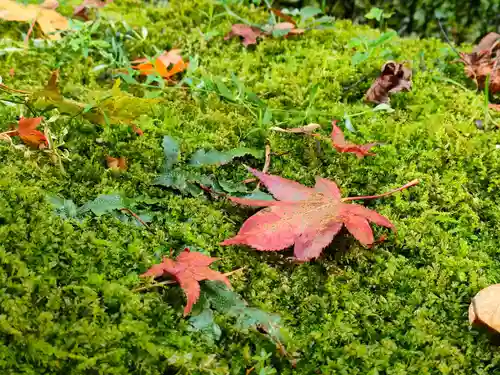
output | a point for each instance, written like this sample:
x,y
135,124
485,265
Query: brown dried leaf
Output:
x,y
249,34
395,77
48,19
485,308
487,42
483,62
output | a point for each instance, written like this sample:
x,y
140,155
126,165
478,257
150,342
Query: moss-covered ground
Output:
x,y
66,299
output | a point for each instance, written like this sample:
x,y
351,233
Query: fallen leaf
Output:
x,y
495,107
188,269
487,42
283,29
137,130
306,129
48,19
395,77
161,64
50,4
284,16
485,308
26,130
340,144
82,10
249,34
308,218
483,62
117,163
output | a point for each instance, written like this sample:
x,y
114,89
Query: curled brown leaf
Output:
x,y
395,77
483,61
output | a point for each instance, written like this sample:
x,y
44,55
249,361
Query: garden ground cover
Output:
x,y
68,304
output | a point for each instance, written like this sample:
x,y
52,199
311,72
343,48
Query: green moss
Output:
x,y
66,300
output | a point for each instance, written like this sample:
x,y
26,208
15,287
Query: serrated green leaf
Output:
x,y
202,157
233,187
204,323
221,298
105,203
64,208
171,152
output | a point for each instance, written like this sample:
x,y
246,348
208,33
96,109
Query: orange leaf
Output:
x,y
161,64
26,130
188,270
117,163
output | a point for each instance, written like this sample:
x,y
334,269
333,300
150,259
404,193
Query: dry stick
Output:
x,y
267,163
27,39
448,40
130,212
2,86
406,186
168,282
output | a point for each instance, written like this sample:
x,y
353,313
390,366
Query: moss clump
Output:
x,y
66,300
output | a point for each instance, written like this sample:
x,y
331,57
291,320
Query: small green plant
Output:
x,y
365,48
187,178
379,15
115,204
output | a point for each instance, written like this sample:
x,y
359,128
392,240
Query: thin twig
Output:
x,y
267,163
448,40
130,212
27,38
168,282
409,184
2,86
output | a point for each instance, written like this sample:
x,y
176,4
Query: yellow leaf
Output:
x,y
48,19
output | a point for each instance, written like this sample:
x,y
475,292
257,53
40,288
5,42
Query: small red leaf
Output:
x,y
188,269
341,145
249,34
26,130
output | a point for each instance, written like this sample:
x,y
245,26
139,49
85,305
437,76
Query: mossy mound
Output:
x,y
67,305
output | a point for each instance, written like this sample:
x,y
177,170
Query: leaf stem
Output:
x,y
406,186
168,282
130,212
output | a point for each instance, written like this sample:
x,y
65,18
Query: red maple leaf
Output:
x,y
248,33
161,64
26,130
341,145
188,269
308,218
